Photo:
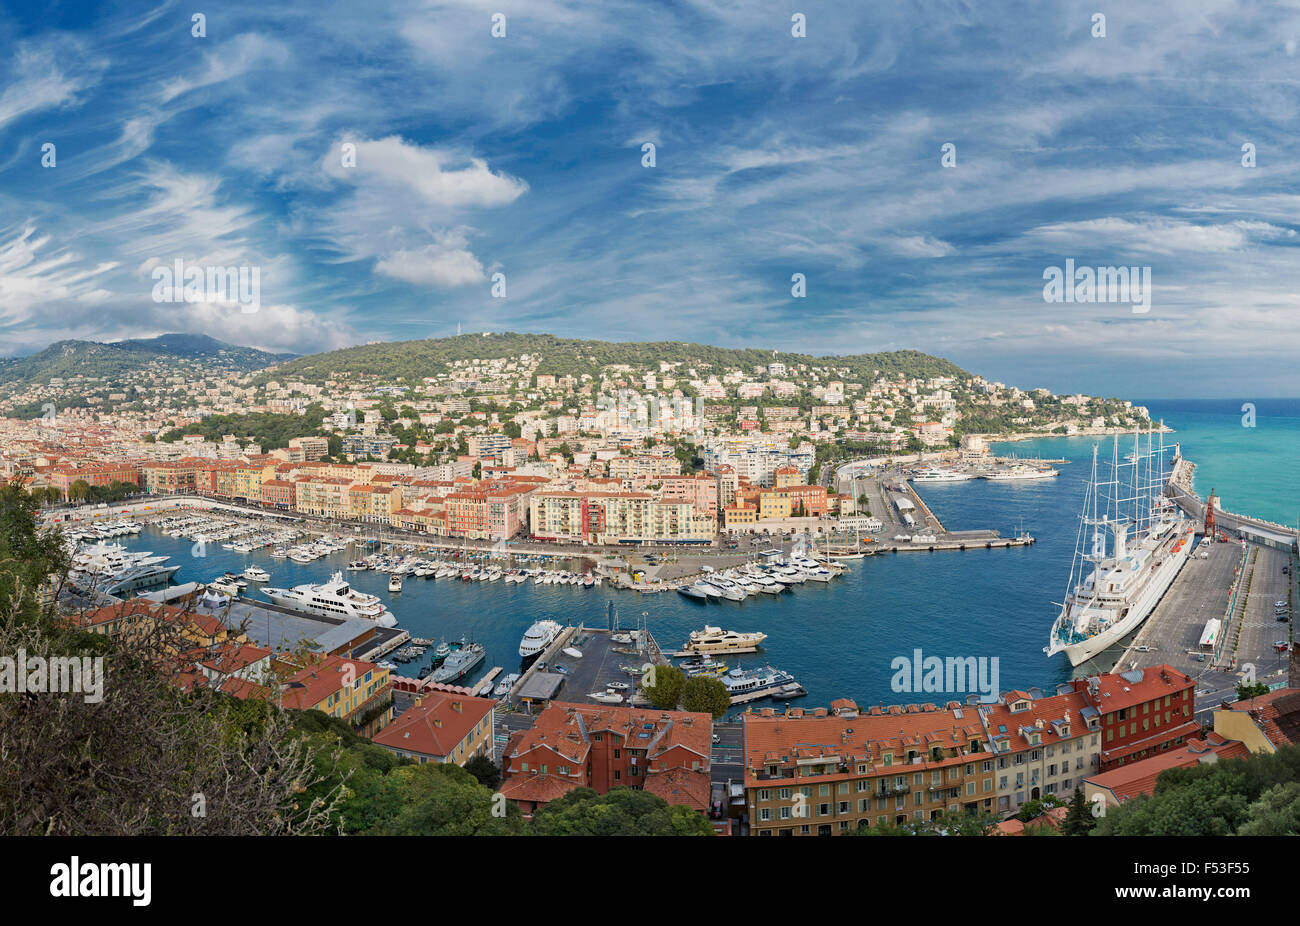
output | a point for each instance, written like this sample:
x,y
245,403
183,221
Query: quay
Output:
x,y
1219,620
905,516
557,675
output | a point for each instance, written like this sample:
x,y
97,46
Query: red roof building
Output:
x,y
601,747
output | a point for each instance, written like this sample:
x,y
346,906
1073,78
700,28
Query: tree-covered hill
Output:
x,y
71,358
412,360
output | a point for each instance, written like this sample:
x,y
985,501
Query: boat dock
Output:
x,y
483,687
558,676
686,654
980,540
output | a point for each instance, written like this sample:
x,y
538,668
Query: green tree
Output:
x,y
1078,820
706,694
620,812
666,692
79,491
1246,691
1276,813
442,799
485,770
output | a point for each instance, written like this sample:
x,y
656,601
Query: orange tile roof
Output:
x,y
1128,781
1277,714
436,725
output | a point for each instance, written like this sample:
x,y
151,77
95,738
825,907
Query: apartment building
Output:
x,y
828,772
1044,744
442,727
601,747
822,774
616,517
353,690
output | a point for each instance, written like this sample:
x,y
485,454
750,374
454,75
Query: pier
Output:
x,y
602,663
1238,586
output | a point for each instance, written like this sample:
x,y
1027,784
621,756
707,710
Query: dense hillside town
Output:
x,y
489,436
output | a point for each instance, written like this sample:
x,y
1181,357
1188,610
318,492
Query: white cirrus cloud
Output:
x,y
922,246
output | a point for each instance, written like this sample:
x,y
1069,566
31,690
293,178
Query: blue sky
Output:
x,y
775,155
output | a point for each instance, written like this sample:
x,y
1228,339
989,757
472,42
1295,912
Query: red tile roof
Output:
x,y
1128,781
435,725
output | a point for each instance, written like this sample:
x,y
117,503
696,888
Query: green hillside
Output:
x,y
412,360
108,360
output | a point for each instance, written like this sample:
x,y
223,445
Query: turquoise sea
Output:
x,y
839,639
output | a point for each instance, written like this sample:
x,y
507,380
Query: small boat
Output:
x,y
503,687
572,652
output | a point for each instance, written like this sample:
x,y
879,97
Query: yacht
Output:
x,y
717,640
693,591
224,586
709,589
536,639
135,578
257,574
729,589
935,474
395,582
335,598
608,696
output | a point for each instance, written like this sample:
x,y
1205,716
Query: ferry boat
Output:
x,y
536,639
717,640
752,684
335,598
1111,592
460,663
1020,472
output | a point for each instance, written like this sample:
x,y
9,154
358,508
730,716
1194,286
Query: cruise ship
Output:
x,y
714,640
335,598
536,639
1112,591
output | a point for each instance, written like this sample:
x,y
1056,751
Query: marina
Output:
x,y
833,637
